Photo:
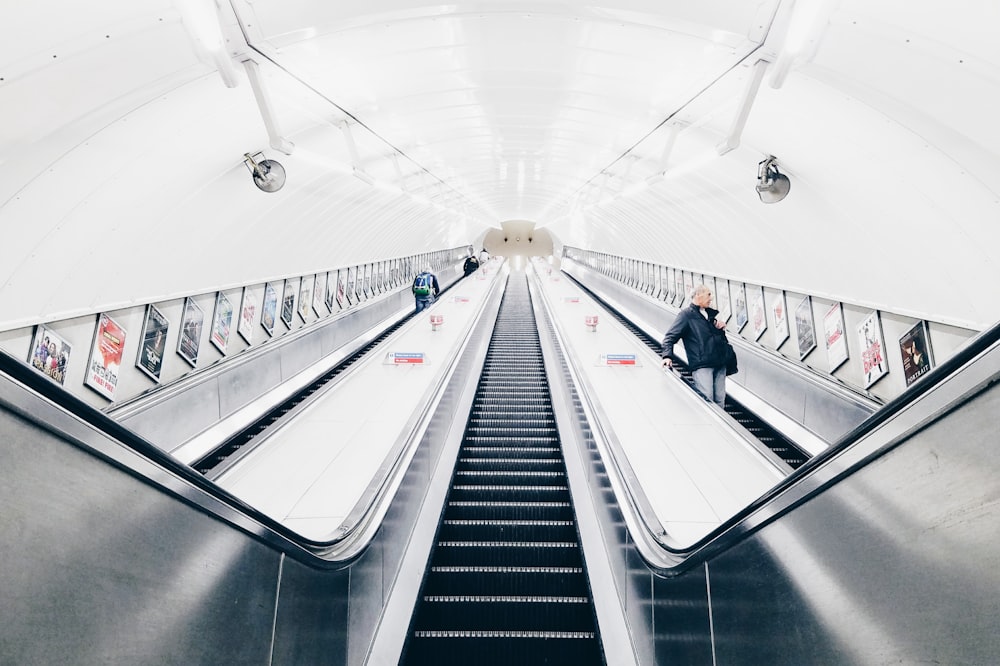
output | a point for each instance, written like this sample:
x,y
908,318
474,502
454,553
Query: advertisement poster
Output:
x,y
106,357
780,319
758,316
368,282
269,310
319,295
873,361
222,322
248,313
331,291
154,343
805,330
342,288
50,354
352,281
679,289
305,296
722,302
740,306
833,333
288,303
916,350
192,322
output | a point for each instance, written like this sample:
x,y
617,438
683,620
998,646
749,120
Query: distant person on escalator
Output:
x,y
705,345
471,265
425,288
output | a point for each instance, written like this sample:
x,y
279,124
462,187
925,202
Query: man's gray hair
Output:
x,y
700,289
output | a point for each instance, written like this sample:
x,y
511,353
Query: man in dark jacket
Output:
x,y
471,265
704,340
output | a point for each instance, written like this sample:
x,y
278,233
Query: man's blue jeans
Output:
x,y
711,384
423,302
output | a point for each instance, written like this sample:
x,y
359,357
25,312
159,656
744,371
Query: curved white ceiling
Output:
x,y
122,147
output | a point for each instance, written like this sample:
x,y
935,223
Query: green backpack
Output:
x,y
422,284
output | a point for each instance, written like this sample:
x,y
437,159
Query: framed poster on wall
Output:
x,y
740,306
915,348
368,287
192,322
269,311
805,329
288,303
248,313
758,313
352,280
306,284
342,289
873,362
50,354
319,294
331,291
833,334
222,322
105,357
153,343
779,316
722,301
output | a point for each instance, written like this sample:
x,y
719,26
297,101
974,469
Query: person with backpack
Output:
x,y
425,288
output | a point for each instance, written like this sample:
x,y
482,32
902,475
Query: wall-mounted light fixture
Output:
x,y
772,185
268,175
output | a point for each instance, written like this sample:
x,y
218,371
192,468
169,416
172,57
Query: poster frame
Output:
x,y
101,361
189,337
159,346
307,284
871,342
837,351
221,330
288,302
64,348
805,337
723,301
758,313
269,309
740,306
920,333
244,326
779,316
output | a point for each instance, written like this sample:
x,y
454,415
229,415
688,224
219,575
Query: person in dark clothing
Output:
x,y
425,288
471,265
704,339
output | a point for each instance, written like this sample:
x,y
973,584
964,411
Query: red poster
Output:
x,y
106,357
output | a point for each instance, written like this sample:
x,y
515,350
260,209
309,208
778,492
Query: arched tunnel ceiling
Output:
x,y
123,148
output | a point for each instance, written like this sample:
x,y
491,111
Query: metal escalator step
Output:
x,y
465,633
497,477
503,451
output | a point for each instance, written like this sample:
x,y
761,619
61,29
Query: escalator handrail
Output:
x,y
209,497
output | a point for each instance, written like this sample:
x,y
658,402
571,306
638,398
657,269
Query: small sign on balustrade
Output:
x,y
619,359
405,358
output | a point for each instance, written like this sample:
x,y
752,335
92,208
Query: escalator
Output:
x,y
794,456
241,443
506,582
